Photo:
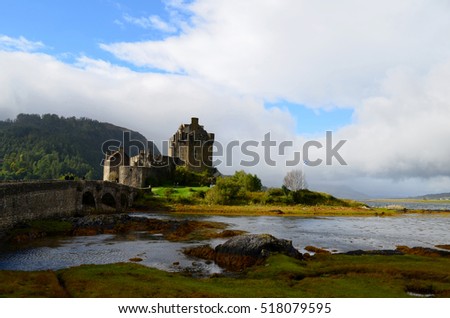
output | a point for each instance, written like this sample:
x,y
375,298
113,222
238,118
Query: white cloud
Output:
x,y
403,132
312,52
151,22
19,44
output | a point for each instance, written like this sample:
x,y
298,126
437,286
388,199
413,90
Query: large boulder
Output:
x,y
245,250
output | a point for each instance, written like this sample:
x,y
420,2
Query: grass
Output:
x,y
180,192
188,200
281,276
280,210
30,284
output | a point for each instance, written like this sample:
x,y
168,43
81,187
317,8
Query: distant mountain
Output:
x,y
340,191
437,196
49,146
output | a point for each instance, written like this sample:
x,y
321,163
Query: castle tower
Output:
x,y
193,144
112,163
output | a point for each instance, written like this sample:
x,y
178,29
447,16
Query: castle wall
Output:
x,y
132,176
110,173
142,177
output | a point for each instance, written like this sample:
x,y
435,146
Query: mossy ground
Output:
x,y
280,276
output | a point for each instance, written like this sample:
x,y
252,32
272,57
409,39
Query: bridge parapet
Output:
x,y
24,201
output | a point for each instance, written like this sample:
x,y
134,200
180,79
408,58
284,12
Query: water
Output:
x,y
337,234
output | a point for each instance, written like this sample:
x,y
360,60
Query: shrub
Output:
x,y
226,191
185,177
307,197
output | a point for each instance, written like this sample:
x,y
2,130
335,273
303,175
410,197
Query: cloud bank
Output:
x,y
389,61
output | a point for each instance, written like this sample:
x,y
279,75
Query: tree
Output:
x,y
250,182
295,180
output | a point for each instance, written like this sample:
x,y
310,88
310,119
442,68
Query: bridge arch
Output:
x,y
108,199
88,200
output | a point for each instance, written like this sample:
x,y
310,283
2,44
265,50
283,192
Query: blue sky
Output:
x,y
314,121
73,28
374,72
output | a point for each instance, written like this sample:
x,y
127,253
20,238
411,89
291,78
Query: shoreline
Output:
x,y
291,211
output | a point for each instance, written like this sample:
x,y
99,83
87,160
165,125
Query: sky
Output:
x,y
376,74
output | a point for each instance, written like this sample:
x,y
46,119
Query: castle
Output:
x,y
190,147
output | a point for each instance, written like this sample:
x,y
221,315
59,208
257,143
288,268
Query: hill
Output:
x,y
49,146
437,196
340,191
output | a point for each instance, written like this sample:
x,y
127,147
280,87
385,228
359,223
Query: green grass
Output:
x,y
281,276
163,198
191,200
179,192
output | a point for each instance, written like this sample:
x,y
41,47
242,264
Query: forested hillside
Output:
x,y
50,147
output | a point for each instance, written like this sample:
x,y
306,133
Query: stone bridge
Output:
x,y
24,201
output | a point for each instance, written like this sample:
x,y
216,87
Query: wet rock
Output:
x,y
172,230
229,233
247,250
244,251
423,251
202,251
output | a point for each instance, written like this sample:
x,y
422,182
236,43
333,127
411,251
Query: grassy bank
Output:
x,y
191,200
321,276
280,210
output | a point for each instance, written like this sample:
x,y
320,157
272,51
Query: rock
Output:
x,y
373,252
277,211
316,250
244,251
202,251
423,251
229,233
258,245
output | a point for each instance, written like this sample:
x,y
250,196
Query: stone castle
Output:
x,y
190,147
